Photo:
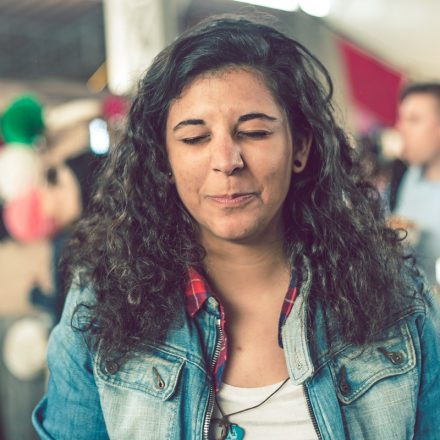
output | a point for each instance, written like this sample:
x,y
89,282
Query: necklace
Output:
x,y
231,431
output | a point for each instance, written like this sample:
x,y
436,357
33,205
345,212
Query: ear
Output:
x,y
301,154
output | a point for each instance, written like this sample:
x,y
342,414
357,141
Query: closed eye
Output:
x,y
254,134
257,134
195,140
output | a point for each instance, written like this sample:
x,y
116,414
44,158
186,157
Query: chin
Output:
x,y
244,235
230,232
245,230
235,236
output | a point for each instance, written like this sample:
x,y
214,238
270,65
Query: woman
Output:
x,y
236,279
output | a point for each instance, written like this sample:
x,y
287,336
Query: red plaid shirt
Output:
x,y
198,291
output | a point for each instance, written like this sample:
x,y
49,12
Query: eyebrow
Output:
x,y
250,116
242,118
189,122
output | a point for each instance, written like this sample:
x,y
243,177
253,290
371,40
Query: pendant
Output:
x,y
235,432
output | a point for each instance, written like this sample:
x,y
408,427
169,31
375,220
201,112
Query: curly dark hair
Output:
x,y
136,245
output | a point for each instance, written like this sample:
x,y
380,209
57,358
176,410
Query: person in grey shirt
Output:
x,y
418,196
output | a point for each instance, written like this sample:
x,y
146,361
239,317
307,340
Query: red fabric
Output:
x,y
373,85
114,107
25,220
198,291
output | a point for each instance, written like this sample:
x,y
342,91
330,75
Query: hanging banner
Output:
x,y
374,86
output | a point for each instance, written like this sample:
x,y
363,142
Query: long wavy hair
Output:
x,y
135,246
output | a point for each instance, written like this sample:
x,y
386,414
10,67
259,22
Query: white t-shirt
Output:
x,y
284,416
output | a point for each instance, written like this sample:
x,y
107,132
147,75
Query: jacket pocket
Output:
x,y
356,369
155,373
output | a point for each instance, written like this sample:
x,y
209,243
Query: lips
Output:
x,y
232,200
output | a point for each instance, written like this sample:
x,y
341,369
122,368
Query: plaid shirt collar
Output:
x,y
198,291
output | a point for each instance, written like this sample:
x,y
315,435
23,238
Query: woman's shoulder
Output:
x,y
421,302
80,294
71,381
75,317
419,293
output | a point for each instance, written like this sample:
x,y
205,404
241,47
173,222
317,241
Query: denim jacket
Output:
x,y
386,390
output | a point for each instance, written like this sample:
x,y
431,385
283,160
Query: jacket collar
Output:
x,y
294,331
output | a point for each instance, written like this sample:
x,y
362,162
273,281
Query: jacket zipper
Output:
x,y
210,406
311,413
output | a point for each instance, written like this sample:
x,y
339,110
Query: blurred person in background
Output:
x,y
373,166
234,277
416,190
65,197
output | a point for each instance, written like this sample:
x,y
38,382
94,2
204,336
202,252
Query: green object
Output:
x,y
22,121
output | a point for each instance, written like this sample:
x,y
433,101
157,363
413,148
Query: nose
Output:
x,y
226,155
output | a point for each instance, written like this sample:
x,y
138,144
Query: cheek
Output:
x,y
277,181
426,137
188,187
183,176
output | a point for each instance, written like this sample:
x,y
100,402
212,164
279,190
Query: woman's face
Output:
x,y
231,154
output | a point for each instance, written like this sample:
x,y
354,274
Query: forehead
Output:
x,y
237,87
227,74
424,103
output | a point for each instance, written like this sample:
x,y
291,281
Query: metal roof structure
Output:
x,y
51,38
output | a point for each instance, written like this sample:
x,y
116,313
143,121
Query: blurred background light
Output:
x,y
317,8
99,136
283,5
